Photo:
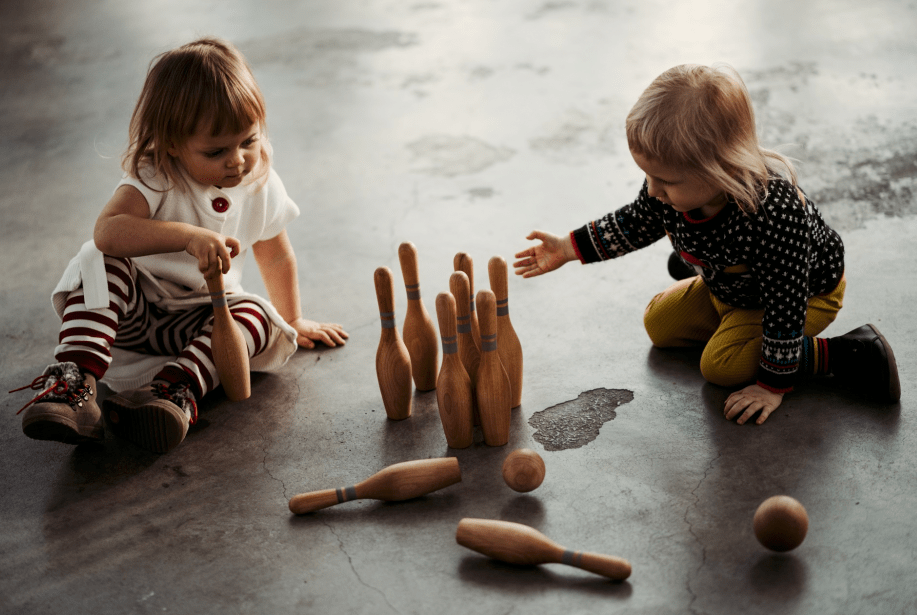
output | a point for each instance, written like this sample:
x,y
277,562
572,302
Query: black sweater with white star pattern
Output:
x,y
775,259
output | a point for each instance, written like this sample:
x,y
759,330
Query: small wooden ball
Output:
x,y
523,470
780,523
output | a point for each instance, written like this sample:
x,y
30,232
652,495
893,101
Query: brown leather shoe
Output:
x,y
864,359
66,409
155,417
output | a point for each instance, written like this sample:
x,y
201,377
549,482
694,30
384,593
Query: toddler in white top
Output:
x,y
198,193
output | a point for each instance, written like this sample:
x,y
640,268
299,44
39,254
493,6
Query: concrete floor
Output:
x,y
460,126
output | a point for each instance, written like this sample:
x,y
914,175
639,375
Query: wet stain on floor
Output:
x,y
577,422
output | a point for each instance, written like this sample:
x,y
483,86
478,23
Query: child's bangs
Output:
x,y
662,141
233,110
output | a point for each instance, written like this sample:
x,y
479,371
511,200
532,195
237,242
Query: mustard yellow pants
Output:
x,y
687,314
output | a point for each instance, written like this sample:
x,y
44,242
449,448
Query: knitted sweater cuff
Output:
x,y
583,246
783,384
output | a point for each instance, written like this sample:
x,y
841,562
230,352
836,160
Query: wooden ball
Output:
x,y
781,523
523,470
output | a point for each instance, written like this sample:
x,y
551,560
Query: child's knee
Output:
x,y
658,324
727,371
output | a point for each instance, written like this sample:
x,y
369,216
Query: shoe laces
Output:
x,y
177,393
59,389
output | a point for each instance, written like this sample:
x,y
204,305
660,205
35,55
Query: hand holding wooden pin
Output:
x,y
230,353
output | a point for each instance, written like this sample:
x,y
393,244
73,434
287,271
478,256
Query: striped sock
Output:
x,y
815,356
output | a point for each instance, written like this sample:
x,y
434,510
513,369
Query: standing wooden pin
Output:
x,y
468,351
230,353
393,364
454,394
508,345
419,332
401,481
462,262
493,393
520,544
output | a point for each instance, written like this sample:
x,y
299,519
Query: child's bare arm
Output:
x,y
124,229
553,253
277,264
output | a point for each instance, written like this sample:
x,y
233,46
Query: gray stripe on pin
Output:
x,y
571,558
450,347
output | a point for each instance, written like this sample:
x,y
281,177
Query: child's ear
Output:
x,y
172,150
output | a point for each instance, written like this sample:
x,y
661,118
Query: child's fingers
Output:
x,y
749,412
209,267
536,234
234,246
339,330
335,333
336,338
305,342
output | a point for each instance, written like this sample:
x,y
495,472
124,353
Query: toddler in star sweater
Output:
x,y
763,274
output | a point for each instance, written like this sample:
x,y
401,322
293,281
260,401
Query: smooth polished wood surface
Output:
x,y
230,353
418,331
507,341
393,363
463,262
454,394
469,352
401,481
520,544
493,391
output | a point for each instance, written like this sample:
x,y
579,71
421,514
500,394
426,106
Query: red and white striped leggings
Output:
x,y
133,323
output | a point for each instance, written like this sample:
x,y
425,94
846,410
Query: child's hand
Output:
x,y
751,399
212,251
309,332
553,253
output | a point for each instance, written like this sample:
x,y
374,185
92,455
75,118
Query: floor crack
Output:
x,y
355,573
691,531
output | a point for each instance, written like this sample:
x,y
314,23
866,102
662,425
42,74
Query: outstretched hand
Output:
x,y
552,253
750,400
308,332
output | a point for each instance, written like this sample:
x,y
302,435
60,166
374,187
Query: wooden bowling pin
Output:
x,y
393,363
401,481
520,544
454,394
508,346
463,262
469,353
419,332
230,352
493,392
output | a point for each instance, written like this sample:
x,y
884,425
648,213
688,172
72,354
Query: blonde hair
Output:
x,y
205,81
700,118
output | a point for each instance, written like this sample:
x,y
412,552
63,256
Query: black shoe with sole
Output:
x,y
864,358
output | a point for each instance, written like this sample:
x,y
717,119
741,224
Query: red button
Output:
x,y
220,204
